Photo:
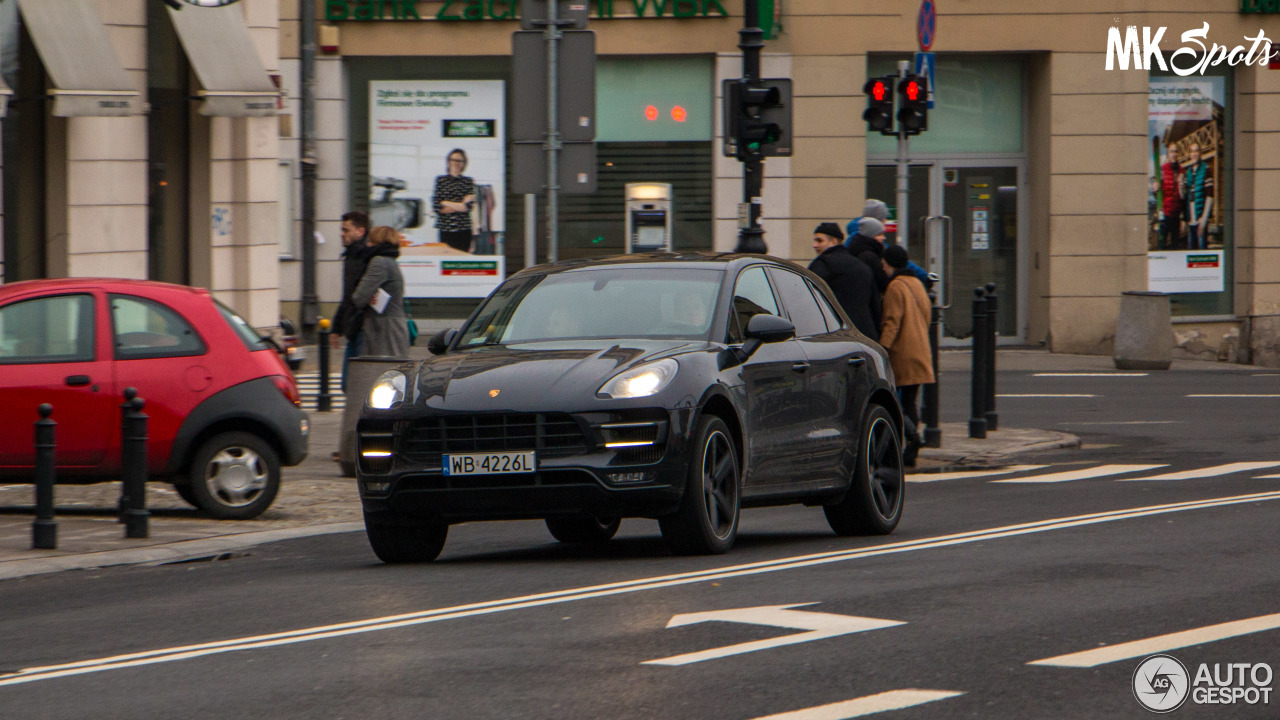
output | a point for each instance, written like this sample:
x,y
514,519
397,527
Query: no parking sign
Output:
x,y
927,25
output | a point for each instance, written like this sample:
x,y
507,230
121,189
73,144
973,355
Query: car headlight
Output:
x,y
641,381
388,390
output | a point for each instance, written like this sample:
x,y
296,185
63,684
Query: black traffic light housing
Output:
x,y
913,112
757,118
879,112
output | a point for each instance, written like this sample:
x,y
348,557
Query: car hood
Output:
x,y
538,376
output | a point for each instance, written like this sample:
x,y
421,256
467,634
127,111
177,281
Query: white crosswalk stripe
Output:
x,y
1084,474
1215,471
1109,471
868,705
968,474
309,386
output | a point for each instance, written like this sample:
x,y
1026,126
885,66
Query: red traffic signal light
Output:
x,y
912,90
879,112
878,90
913,115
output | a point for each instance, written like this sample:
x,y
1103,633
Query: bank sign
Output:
x,y
369,10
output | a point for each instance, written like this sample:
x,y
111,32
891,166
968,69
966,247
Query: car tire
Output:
x,y
873,504
398,543
583,529
234,476
707,521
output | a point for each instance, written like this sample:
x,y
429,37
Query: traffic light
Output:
x,y
758,118
913,115
879,112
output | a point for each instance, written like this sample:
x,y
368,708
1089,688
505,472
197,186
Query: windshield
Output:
x,y
599,303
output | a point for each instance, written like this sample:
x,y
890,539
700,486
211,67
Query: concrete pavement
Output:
x,y
315,499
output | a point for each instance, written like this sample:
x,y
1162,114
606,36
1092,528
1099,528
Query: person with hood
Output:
x,y
385,325
904,332
850,280
878,210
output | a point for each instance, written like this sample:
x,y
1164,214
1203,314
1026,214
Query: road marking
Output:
x,y
1267,477
1237,395
1090,375
1085,474
869,705
556,597
820,626
1208,472
965,474
1163,643
1125,422
1048,395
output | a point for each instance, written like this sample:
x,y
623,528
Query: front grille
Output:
x,y
542,478
549,434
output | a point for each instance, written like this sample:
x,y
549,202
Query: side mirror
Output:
x,y
439,342
765,328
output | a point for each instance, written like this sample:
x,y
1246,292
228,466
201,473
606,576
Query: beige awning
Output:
x,y
87,75
233,80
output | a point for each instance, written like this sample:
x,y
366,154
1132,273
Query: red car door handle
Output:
x,y
78,380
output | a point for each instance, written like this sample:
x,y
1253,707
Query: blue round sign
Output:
x,y
927,25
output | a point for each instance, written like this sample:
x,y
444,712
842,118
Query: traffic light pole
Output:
x,y
903,172
751,238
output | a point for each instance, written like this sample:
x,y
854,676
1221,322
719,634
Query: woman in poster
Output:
x,y
454,197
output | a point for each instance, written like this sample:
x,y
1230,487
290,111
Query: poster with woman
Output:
x,y
1185,198
437,169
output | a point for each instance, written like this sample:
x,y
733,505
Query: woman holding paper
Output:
x,y
381,293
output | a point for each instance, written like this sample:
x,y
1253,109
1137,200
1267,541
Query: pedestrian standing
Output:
x,y
868,246
850,279
346,320
380,293
904,332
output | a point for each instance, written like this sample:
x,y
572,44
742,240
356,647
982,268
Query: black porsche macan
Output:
x,y
677,386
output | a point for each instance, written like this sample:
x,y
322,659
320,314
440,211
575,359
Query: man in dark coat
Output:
x,y
850,280
868,246
355,258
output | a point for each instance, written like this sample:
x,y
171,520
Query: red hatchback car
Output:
x,y
224,410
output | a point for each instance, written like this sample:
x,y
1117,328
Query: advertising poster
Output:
x,y
437,169
1185,165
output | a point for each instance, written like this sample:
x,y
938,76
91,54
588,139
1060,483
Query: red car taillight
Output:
x,y
288,388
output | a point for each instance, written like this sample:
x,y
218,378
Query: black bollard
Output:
x,y
932,391
133,467
44,530
993,419
978,375
324,402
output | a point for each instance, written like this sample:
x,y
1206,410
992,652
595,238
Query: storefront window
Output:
x,y
1189,198
654,99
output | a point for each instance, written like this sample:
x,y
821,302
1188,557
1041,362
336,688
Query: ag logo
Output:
x,y
1161,683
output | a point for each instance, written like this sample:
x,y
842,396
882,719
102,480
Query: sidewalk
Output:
x,y
315,499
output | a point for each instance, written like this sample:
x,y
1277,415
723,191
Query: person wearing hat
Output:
x,y
850,280
904,332
868,245
878,210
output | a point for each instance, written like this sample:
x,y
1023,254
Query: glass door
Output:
x,y
978,234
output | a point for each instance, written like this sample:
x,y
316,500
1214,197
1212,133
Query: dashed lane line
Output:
x,y
868,705
1208,472
1089,374
557,597
966,474
1047,395
1163,643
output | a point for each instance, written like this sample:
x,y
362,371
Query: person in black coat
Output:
x,y
355,259
850,280
868,246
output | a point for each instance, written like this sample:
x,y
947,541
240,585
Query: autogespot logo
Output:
x,y
1161,683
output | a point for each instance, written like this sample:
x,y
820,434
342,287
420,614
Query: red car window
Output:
x,y
56,329
144,328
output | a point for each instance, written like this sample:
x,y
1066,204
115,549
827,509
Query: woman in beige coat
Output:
x,y
904,332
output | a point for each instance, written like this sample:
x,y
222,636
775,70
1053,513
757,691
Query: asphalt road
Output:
x,y
976,608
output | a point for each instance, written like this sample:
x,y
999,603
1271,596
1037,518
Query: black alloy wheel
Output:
x,y
707,521
421,541
873,505
583,529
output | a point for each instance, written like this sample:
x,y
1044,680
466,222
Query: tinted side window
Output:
x,y
146,329
828,313
751,296
800,305
47,330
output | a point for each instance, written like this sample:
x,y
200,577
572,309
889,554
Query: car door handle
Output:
x,y
78,380
857,361
800,367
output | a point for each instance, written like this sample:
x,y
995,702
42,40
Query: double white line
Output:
x,y
188,652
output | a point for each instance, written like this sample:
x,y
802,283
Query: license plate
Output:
x,y
489,463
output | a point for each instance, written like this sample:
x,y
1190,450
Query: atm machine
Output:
x,y
648,217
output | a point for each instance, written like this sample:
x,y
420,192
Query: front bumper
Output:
x,y
585,476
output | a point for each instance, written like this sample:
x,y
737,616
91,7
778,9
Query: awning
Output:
x,y
232,78
87,75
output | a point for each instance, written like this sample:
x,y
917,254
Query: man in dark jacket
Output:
x,y
850,280
355,258
868,246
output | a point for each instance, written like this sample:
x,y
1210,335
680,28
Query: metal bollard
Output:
x,y
978,375
932,392
44,530
993,419
133,467
324,401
